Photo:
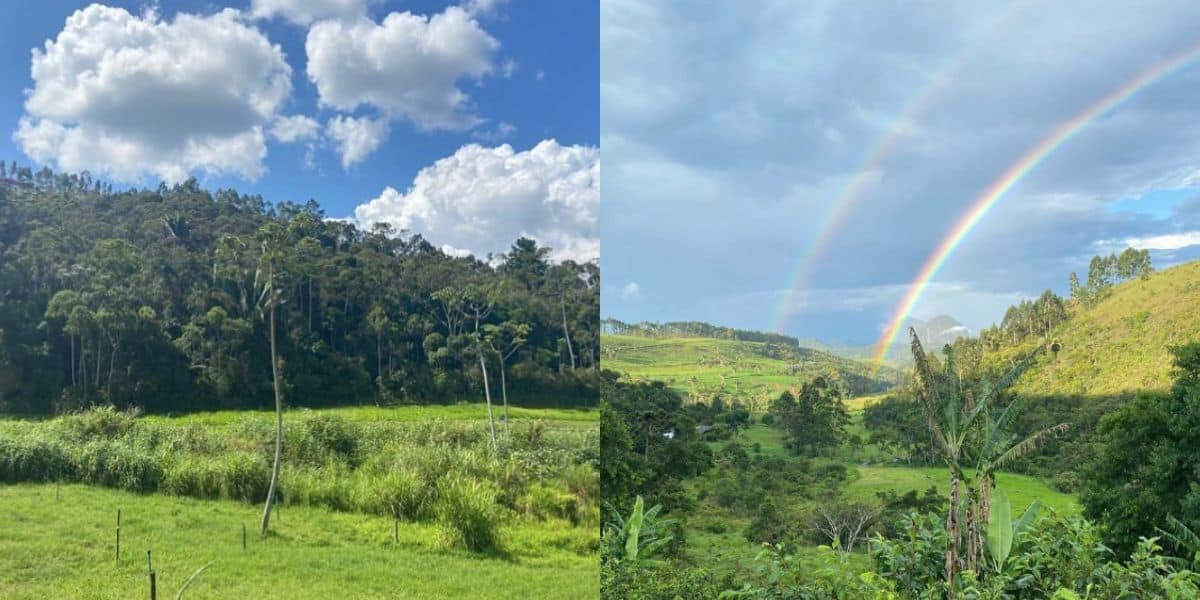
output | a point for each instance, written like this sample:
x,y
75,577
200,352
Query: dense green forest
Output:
x,y
157,299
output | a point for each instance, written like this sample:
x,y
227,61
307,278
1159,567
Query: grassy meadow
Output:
x,y
1120,345
700,367
60,544
470,521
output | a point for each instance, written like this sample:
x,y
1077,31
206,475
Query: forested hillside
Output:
x,y
1119,343
162,299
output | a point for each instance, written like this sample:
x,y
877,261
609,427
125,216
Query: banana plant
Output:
x,y
1003,535
640,534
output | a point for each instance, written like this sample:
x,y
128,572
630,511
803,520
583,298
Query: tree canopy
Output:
x,y
149,298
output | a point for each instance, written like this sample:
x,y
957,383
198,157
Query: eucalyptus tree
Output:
x,y
505,340
471,304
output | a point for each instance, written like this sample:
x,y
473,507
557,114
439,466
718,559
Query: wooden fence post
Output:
x,y
153,583
118,536
243,536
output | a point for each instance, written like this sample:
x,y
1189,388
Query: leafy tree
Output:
x,y
1145,465
816,419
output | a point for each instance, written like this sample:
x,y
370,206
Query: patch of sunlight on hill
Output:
x,y
700,367
1120,345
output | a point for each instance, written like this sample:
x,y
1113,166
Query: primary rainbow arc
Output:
x,y
1013,175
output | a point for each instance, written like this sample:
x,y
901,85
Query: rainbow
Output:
x,y
867,172
1013,175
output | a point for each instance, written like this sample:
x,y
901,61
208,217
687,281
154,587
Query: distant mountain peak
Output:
x,y
939,330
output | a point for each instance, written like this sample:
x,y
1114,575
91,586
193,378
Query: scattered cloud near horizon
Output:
x,y
481,199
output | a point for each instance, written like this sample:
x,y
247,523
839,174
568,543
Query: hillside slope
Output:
x,y
753,371
1120,345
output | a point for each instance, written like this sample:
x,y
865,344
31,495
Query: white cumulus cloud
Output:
x,y
295,128
356,137
482,199
303,12
1169,241
132,96
407,67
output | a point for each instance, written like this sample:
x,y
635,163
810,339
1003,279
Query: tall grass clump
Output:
x,y
466,509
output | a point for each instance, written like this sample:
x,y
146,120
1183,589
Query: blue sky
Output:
x,y
728,132
516,73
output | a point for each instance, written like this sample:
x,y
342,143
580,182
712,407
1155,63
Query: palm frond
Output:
x,y
927,392
1181,535
1029,444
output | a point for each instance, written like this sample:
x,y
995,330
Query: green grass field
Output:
x,y
1021,489
700,366
517,521
64,548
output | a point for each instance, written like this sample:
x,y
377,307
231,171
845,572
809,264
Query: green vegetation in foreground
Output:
x,y
64,549
1120,345
752,372
424,471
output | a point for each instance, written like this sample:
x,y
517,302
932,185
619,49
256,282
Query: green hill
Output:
x,y
1119,345
752,371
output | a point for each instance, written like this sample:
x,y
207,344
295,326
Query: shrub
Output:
x,y
33,459
244,477
466,508
193,476
401,493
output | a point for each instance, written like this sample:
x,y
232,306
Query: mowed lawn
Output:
x,y
64,548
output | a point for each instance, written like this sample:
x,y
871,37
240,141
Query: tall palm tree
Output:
x,y
269,298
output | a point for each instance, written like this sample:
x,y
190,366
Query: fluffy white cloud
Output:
x,y
631,291
356,137
482,199
130,96
407,67
295,128
1169,241
303,12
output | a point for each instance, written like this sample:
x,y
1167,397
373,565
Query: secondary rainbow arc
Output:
x,y
860,183
992,194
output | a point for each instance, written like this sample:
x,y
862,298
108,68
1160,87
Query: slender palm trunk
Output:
x,y
73,378
567,332
112,361
503,393
266,518
379,358
487,394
